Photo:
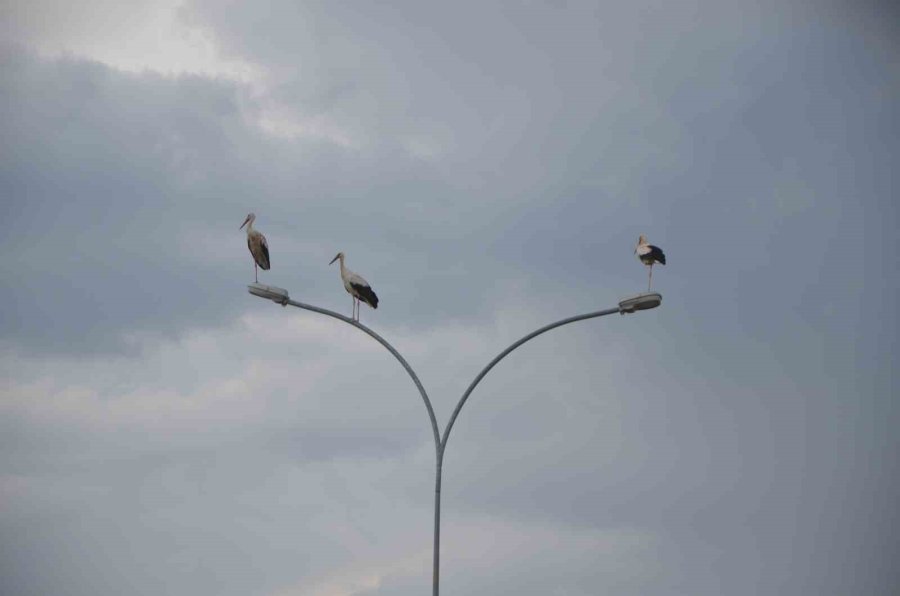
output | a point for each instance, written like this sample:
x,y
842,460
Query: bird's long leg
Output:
x,y
255,272
650,280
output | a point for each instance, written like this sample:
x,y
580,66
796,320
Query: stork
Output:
x,y
258,246
649,254
357,287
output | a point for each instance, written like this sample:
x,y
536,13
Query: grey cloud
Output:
x,y
165,432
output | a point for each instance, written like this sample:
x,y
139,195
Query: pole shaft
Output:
x,y
436,569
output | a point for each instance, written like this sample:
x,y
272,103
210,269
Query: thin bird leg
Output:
x,y
255,272
650,280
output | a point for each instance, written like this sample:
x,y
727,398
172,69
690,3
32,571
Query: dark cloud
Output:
x,y
488,168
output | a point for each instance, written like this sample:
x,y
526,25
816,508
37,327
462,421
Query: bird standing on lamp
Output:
x,y
357,287
258,246
649,254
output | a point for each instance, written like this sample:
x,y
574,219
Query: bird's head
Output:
x,y
340,255
642,240
250,219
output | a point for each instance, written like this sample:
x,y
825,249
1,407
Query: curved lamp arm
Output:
x,y
506,352
280,296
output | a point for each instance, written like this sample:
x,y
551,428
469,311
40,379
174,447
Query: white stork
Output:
x,y
357,287
649,254
258,246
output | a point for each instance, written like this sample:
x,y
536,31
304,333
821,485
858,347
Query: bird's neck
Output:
x,y
249,227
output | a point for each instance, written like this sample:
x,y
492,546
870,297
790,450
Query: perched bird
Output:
x,y
258,246
357,287
649,254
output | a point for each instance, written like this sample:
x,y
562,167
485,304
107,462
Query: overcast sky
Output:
x,y
488,167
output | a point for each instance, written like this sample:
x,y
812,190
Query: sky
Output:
x,y
488,167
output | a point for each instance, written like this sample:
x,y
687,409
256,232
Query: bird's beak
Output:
x,y
333,260
244,224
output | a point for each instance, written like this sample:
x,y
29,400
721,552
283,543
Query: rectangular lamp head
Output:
x,y
279,295
640,302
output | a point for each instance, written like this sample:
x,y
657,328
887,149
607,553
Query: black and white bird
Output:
x,y
649,254
357,287
258,246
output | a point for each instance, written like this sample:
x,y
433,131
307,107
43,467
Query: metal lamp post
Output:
x,y
280,296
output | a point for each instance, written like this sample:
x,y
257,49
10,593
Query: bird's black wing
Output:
x,y
365,294
656,254
264,247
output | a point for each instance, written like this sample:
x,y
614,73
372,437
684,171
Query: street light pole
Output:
x,y
280,296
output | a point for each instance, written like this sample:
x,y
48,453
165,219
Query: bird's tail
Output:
x,y
368,296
